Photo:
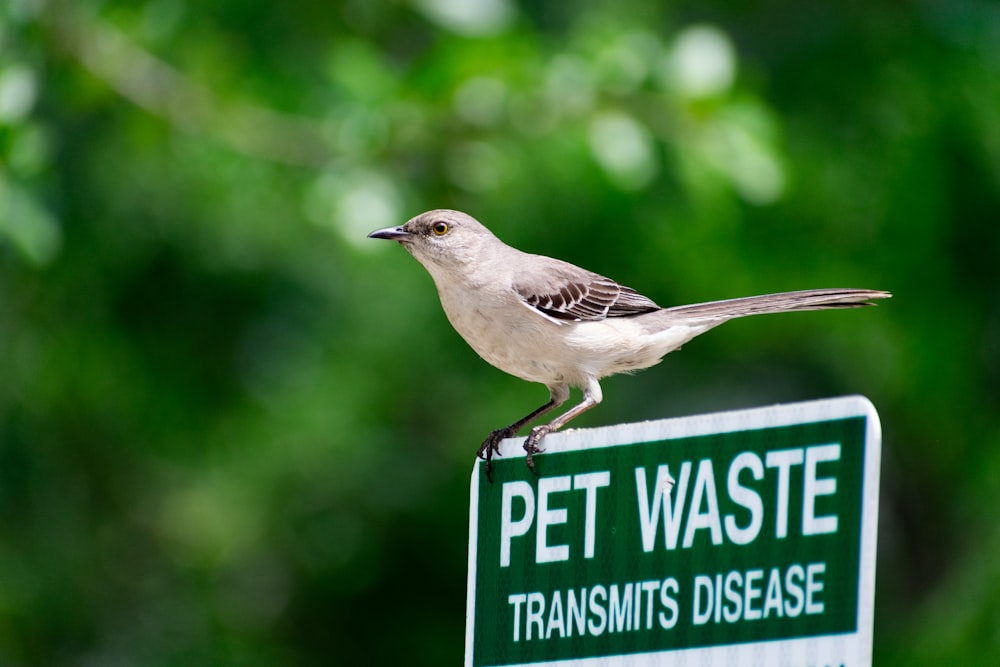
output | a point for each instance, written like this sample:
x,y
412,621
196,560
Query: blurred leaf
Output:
x,y
27,225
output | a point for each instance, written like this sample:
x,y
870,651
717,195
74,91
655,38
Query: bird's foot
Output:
x,y
531,446
491,446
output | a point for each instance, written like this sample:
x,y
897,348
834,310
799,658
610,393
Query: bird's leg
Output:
x,y
557,396
592,395
492,442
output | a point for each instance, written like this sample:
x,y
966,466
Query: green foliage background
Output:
x,y
235,432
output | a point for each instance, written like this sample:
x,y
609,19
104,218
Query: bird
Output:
x,y
548,321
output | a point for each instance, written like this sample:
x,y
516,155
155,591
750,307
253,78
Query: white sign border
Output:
x,y
779,653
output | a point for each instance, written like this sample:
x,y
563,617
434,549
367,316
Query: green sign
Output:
x,y
735,538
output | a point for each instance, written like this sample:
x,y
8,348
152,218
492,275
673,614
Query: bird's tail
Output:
x,y
814,299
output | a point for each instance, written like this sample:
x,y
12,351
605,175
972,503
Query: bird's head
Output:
x,y
440,238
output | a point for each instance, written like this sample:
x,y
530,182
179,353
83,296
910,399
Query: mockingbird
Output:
x,y
545,320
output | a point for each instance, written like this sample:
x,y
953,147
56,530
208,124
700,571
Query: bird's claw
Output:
x,y
531,445
491,446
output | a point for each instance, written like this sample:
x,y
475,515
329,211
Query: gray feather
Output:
x,y
567,292
816,299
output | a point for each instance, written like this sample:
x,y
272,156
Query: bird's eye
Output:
x,y
440,229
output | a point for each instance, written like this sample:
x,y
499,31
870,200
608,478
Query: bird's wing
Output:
x,y
566,292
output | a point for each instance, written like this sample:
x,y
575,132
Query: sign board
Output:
x,y
739,538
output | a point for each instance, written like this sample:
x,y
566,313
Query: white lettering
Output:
x,y
509,528
794,577
826,486
772,600
576,612
783,460
733,582
814,586
738,595
649,511
556,622
635,606
669,601
591,482
597,609
517,601
718,598
750,593
648,587
700,616
619,608
745,497
704,493
535,610
549,517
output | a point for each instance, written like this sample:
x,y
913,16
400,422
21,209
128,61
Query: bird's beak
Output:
x,y
391,233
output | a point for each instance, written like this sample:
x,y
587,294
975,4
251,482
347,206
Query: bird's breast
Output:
x,y
506,333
